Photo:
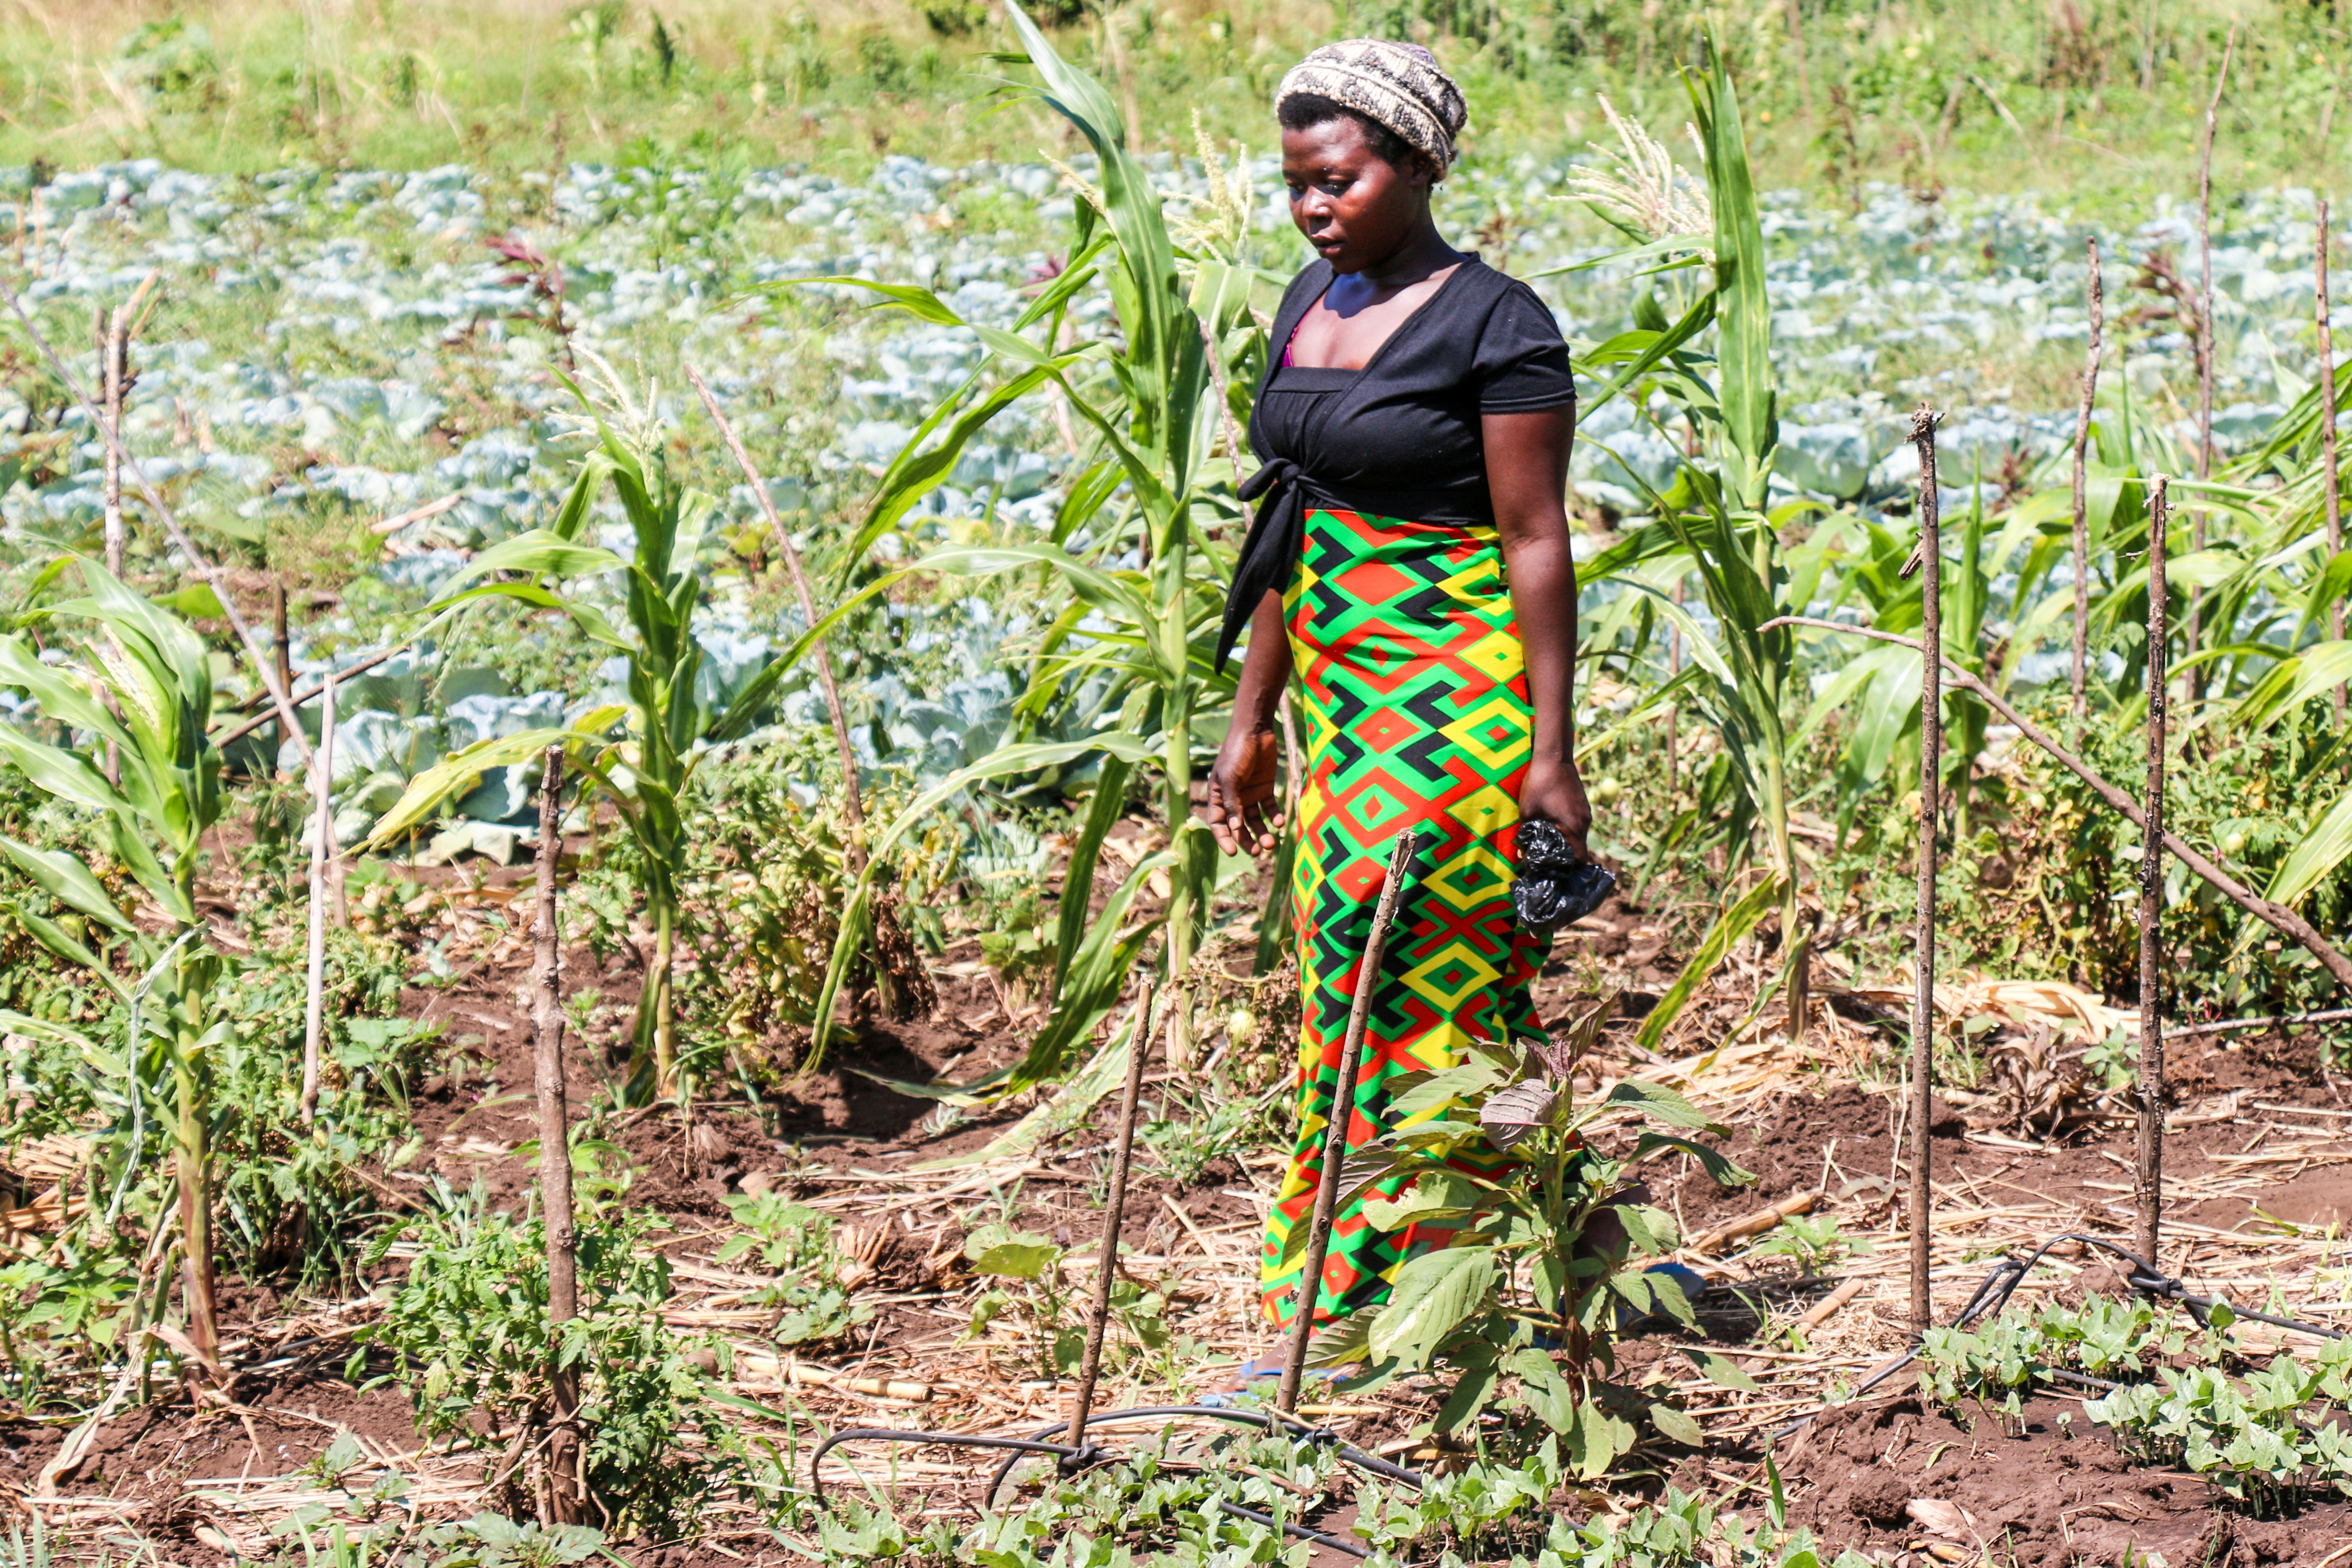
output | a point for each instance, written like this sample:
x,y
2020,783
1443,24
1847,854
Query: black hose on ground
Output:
x,y
1070,1460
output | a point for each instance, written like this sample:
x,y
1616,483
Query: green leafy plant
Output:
x,y
796,1243
1521,1305
1139,673
1812,1239
140,685
1033,1291
468,1336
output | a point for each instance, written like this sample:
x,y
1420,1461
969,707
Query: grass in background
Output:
x,y
2099,97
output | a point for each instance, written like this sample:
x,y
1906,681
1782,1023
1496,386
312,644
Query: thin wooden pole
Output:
x,y
281,642
2082,664
112,366
1931,758
1138,1050
566,1501
2205,273
853,807
1329,1178
2205,345
322,833
2331,489
2148,1185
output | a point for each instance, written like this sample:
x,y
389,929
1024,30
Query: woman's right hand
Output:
x,y
1241,791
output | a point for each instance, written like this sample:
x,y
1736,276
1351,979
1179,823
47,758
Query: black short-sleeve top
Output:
x,y
1401,437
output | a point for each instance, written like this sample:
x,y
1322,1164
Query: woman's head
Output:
x,y
1368,127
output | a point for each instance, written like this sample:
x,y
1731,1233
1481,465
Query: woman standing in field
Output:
x,y
1409,560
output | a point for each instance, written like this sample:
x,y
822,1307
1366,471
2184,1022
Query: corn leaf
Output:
x,y
2321,852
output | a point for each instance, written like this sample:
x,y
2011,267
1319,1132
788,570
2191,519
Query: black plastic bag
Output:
x,y
1554,887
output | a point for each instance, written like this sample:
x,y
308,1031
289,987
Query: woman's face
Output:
x,y
1355,207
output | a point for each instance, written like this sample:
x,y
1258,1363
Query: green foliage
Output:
x,y
2261,1440
1490,1513
140,685
469,1338
645,772
1140,675
1050,1312
796,1242
1814,1240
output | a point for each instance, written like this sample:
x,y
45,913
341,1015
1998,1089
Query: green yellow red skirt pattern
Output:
x,y
1416,707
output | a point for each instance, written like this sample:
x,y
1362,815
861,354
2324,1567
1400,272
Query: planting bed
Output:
x,y
1892,1479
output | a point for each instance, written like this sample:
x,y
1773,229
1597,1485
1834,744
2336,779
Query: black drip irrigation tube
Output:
x,y
2008,1274
1070,1459
1990,1296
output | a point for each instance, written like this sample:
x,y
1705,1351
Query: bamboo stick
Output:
x,y
567,1502
2080,672
2149,1179
1343,1113
1749,1225
314,1008
1138,1048
2331,489
1931,749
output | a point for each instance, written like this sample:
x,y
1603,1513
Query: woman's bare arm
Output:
x,y
1527,474
1240,781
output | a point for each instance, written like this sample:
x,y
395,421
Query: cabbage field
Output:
x,y
795,571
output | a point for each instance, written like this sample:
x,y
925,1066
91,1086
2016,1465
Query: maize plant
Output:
x,y
141,682
1149,630
639,757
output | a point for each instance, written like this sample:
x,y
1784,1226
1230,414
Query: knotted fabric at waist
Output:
x,y
1285,493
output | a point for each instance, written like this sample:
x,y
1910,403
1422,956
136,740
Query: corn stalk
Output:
x,y
142,686
1149,403
643,765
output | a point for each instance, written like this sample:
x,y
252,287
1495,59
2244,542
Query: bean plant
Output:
x,y
1525,1302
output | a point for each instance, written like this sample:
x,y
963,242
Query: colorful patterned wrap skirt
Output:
x,y
1417,712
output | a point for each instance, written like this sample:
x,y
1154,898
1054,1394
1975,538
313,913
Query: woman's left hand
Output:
x,y
1554,792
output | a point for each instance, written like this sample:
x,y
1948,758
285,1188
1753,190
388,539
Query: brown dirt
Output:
x,y
2047,1496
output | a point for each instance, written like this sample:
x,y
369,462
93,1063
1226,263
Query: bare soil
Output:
x,y
2047,1493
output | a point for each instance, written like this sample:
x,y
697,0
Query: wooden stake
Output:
x,y
322,833
566,1501
1329,1178
282,636
2205,346
2081,669
851,807
1931,760
2331,488
1139,1048
2148,1185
